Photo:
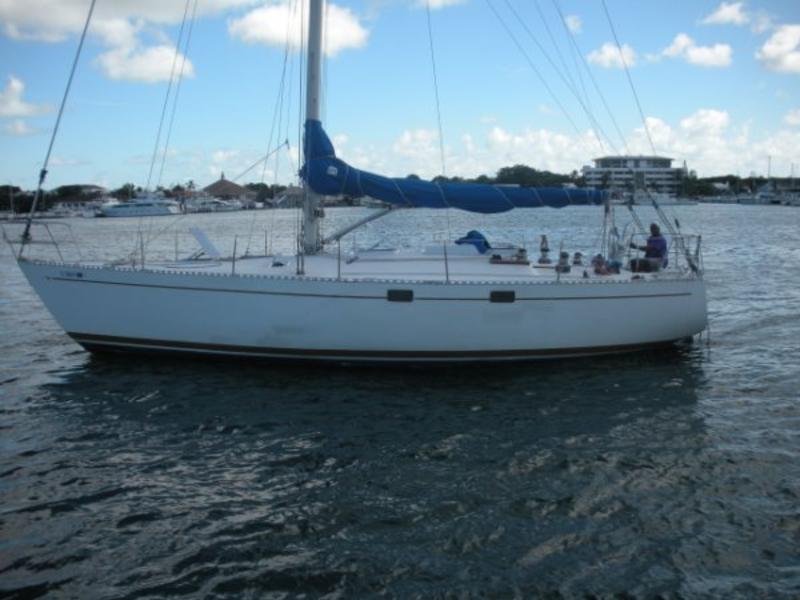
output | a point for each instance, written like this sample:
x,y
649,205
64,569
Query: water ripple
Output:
x,y
670,475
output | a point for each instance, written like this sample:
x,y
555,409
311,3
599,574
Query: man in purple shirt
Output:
x,y
655,252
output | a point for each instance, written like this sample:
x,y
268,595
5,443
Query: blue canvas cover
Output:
x,y
330,176
477,239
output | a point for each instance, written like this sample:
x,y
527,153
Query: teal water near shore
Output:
x,y
672,474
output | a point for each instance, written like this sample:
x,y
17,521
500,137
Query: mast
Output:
x,y
312,202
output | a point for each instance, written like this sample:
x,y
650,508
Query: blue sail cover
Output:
x,y
330,176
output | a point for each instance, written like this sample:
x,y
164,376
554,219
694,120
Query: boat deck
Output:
x,y
402,266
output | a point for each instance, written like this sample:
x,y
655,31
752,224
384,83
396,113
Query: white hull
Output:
x,y
139,211
325,319
150,206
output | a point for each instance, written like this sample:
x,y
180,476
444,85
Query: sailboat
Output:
x,y
463,301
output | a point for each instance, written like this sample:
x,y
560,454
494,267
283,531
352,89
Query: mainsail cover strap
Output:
x,y
331,176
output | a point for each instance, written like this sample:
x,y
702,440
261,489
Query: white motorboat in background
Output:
x,y
151,205
209,204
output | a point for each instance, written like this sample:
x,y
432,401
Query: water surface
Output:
x,y
672,473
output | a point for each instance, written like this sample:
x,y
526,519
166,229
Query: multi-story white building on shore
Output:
x,y
631,173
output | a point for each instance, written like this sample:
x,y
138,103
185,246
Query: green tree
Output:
x,y
526,176
8,195
125,192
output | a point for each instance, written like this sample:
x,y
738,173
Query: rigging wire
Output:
x,y
167,96
150,235
593,123
294,62
263,159
575,62
532,65
140,222
557,49
323,94
275,130
300,149
26,235
435,87
438,105
301,90
628,75
600,94
659,211
284,124
283,97
177,92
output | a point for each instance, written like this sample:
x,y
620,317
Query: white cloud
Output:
x,y
683,46
146,65
118,25
658,130
761,22
706,122
270,24
57,161
129,60
734,13
55,20
680,44
718,55
781,52
417,151
41,20
222,157
728,13
608,56
792,117
421,145
499,136
469,143
117,32
713,145
12,104
19,128
574,23
239,165
437,4
708,139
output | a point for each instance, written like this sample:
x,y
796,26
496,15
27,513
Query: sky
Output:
x,y
536,82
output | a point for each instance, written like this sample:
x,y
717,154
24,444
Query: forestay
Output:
x,y
330,176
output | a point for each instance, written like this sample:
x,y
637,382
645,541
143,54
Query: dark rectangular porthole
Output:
x,y
502,296
400,295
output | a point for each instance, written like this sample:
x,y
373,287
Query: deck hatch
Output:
x,y
502,296
400,295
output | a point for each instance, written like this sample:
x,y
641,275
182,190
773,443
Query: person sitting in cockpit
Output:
x,y
655,252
